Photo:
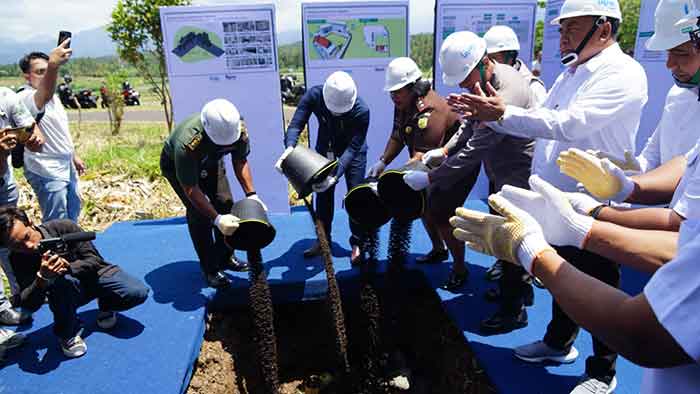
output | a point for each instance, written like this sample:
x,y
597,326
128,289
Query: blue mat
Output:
x,y
294,279
155,345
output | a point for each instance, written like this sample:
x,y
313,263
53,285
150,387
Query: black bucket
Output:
x,y
403,202
364,207
304,167
255,231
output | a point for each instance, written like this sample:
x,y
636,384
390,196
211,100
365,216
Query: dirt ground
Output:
x,y
439,357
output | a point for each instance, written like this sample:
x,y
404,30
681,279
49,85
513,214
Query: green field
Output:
x,y
358,49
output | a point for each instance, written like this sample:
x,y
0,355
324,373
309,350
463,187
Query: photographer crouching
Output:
x,y
70,274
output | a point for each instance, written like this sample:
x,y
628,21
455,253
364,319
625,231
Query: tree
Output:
x,y
135,28
539,35
627,35
115,99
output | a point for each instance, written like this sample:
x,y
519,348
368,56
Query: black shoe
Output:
x,y
313,251
433,257
505,322
455,280
494,295
217,280
236,265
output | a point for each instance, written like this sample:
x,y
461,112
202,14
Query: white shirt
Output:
x,y
13,113
596,105
677,131
686,198
539,92
56,156
674,296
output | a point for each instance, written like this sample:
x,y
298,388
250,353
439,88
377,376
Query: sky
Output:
x,y
47,17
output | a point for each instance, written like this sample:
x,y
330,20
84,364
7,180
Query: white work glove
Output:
x,y
515,237
583,203
286,153
433,158
627,163
257,198
560,223
376,169
324,185
227,224
601,178
416,180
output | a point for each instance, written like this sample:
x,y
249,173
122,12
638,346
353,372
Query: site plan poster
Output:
x,y
202,42
229,51
475,16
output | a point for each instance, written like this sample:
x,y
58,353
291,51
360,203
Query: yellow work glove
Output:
x,y
601,178
516,237
627,163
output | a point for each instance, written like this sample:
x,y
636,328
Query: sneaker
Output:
x,y
539,351
74,347
433,257
494,295
589,385
217,280
455,280
106,320
10,339
502,322
12,317
495,272
236,265
313,251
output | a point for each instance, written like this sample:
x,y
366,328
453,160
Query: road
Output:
x,y
139,115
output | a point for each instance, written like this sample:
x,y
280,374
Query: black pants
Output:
x,y
325,202
562,331
207,239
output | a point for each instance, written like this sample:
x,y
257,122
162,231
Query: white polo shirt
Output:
x,y
674,296
677,131
13,113
596,105
686,198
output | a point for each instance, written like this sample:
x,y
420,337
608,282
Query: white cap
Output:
x,y
401,71
221,122
459,54
501,38
666,34
574,8
339,92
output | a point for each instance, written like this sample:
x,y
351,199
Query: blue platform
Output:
x,y
154,347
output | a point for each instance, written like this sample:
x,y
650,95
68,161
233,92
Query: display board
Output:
x,y
476,16
659,79
228,52
551,58
360,38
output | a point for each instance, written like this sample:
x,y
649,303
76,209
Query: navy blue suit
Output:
x,y
345,136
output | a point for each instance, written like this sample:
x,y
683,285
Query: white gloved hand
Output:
x,y
324,185
257,198
583,203
417,180
549,206
601,178
278,165
627,163
516,237
376,169
433,158
227,224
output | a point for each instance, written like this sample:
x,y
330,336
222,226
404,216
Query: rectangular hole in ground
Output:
x,y
434,349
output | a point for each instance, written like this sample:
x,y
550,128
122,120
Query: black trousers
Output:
x,y
208,241
562,331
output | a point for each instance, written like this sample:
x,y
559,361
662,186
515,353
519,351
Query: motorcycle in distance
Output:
x,y
84,98
291,90
130,95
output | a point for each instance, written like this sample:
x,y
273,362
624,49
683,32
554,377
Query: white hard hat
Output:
x,y
401,72
459,54
688,23
221,122
339,92
574,8
666,34
501,38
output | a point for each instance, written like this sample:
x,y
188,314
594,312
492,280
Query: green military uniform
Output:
x,y
190,158
427,125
